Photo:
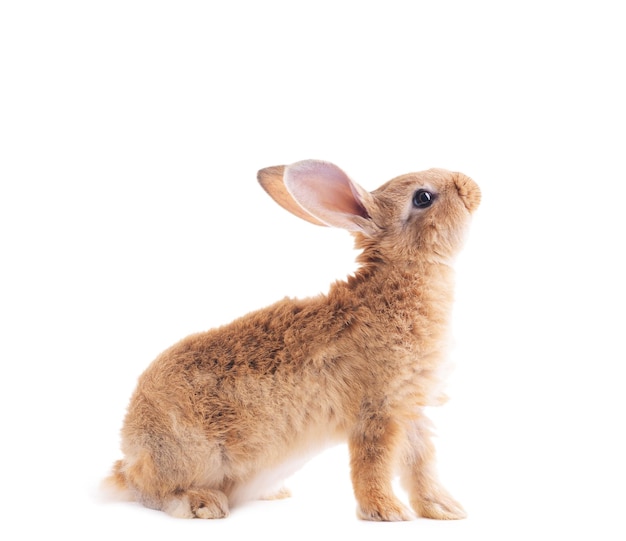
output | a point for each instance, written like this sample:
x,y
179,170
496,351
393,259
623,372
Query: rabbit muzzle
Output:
x,y
469,192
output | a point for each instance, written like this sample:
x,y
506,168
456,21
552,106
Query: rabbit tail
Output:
x,y
115,487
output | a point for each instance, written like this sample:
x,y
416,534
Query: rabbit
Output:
x,y
224,416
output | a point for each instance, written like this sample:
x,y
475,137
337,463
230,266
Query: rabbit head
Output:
x,y
415,217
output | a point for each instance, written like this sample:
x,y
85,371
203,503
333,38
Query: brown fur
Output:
x,y
216,417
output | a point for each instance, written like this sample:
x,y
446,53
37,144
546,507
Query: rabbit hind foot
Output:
x,y
197,503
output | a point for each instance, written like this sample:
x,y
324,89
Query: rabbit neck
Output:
x,y
423,288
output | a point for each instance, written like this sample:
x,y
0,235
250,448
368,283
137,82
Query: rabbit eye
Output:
x,y
423,199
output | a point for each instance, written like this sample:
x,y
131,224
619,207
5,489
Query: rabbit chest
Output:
x,y
397,331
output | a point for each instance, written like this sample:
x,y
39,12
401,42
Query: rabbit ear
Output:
x,y
271,179
327,193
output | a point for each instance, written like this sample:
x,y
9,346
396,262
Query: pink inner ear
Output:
x,y
325,191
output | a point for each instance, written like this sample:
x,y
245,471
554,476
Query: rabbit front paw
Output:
x,y
383,509
441,506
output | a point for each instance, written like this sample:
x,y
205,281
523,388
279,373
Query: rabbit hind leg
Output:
x,y
170,493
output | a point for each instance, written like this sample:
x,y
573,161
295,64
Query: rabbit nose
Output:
x,y
468,191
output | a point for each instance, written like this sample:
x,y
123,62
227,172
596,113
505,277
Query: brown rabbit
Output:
x,y
225,415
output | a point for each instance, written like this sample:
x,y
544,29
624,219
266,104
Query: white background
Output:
x,y
130,137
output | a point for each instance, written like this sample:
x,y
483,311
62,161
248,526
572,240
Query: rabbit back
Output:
x,y
226,407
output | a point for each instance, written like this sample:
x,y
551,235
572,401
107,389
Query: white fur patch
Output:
x,y
268,482
178,508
